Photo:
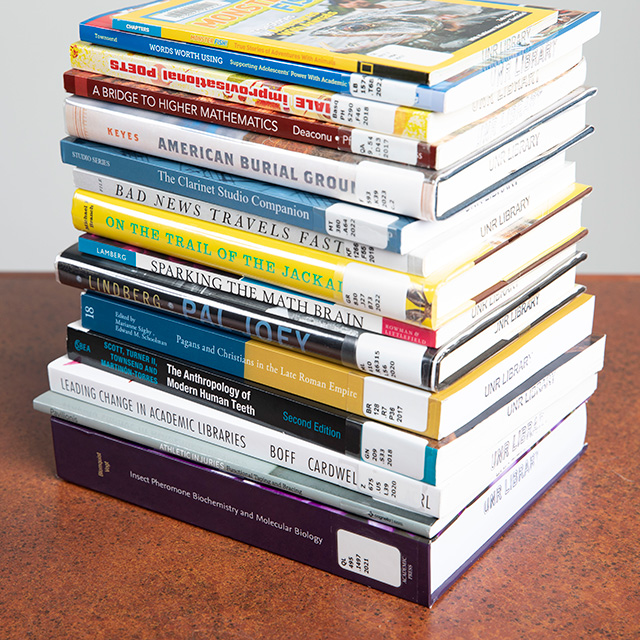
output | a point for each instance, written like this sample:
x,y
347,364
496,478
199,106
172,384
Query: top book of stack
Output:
x,y
422,41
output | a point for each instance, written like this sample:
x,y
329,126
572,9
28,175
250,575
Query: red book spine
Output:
x,y
219,112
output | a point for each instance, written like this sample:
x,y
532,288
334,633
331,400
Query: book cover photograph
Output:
x,y
492,80
328,276
387,37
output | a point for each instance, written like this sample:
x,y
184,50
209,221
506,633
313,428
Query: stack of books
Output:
x,y
328,262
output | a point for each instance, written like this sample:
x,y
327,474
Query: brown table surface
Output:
x,y
77,564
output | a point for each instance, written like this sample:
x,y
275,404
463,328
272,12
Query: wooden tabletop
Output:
x,y
76,564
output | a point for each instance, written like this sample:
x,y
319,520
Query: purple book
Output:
x,y
409,566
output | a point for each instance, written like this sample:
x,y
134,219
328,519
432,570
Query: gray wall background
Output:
x,y
37,187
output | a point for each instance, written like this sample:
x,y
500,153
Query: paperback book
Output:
x,y
494,81
350,115
394,561
425,42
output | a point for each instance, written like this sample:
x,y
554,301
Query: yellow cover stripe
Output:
x,y
305,54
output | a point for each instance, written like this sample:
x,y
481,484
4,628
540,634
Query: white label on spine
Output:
x,y
383,89
393,189
385,147
390,358
352,222
369,558
393,449
353,112
382,400
375,290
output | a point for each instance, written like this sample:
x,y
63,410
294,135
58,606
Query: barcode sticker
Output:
x,y
369,558
353,222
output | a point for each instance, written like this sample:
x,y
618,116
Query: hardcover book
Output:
x,y
379,184
480,449
352,348
422,41
391,560
412,408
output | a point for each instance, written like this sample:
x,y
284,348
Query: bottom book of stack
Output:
x,y
123,457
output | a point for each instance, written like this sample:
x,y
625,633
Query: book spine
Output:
x,y
301,530
227,461
129,397
379,445
305,102
315,309
259,226
345,389
302,209
99,31
381,185
370,353
320,424
362,142
380,291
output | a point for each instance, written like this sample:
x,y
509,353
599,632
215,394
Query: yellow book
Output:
x,y
426,301
423,41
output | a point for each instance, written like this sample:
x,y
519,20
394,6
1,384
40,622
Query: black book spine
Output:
x,y
320,424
